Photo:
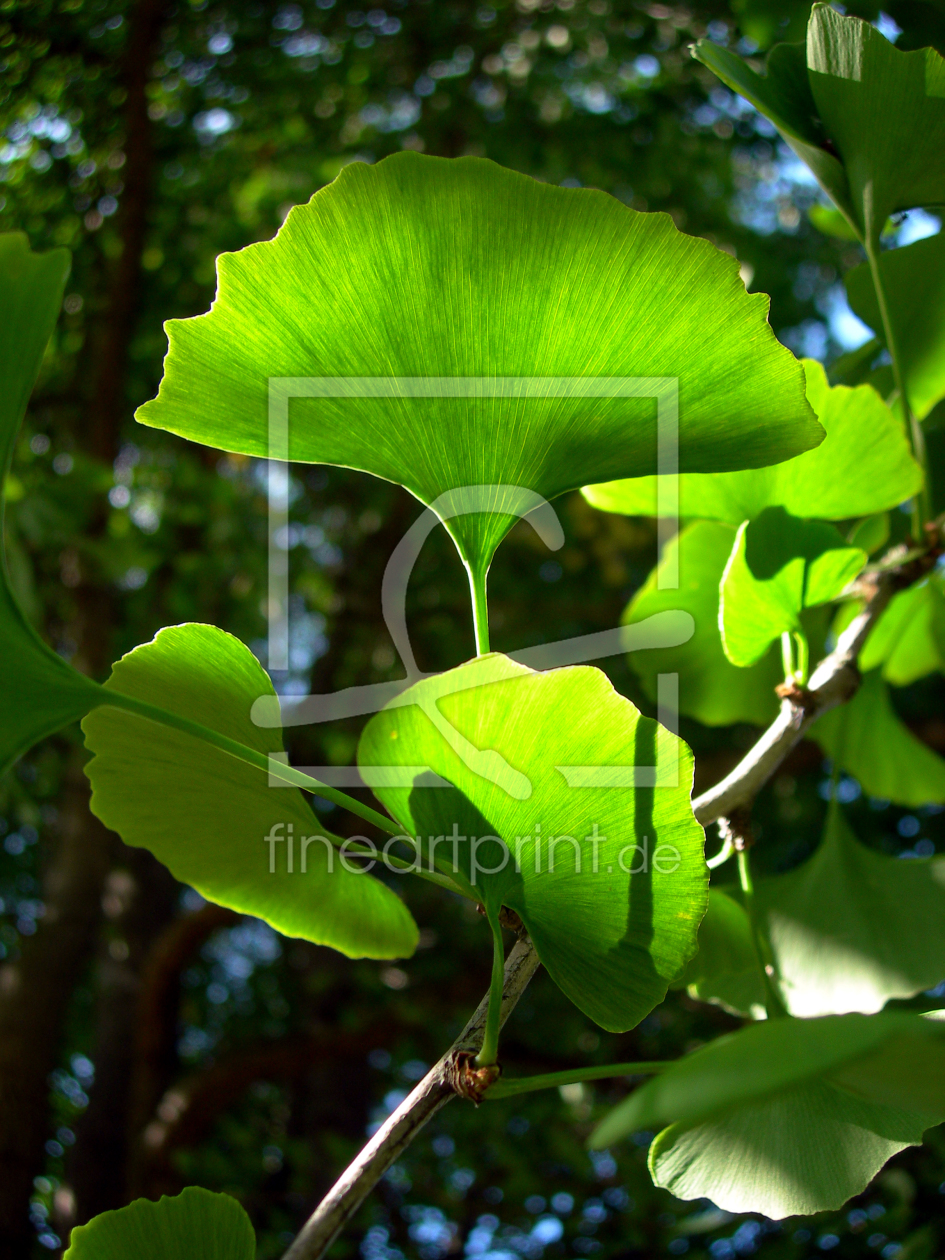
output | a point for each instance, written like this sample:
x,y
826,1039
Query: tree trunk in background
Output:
x,y
35,991
140,899
34,998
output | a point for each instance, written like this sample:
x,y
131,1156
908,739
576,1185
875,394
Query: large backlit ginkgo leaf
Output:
x,y
193,1225
577,809
456,270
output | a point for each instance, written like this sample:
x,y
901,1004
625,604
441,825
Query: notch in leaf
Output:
x,y
194,1223
444,276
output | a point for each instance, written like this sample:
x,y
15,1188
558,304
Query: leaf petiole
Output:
x,y
550,1080
478,577
279,770
921,503
773,1002
490,1038
408,868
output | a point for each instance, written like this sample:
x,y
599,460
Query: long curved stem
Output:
x,y
921,509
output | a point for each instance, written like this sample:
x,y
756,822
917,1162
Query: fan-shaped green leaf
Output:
x,y
725,970
807,1150
779,566
864,465
869,741
214,820
765,1059
711,689
880,110
914,280
908,641
193,1224
41,692
424,267
783,95
871,533
608,877
883,110
851,928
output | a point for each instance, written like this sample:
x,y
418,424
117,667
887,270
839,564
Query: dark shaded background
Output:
x,y
148,1040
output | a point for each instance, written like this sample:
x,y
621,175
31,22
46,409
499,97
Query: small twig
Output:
x,y
834,682
402,1126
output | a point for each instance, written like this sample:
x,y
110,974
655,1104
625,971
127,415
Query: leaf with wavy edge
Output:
x,y
424,267
778,567
807,1150
193,1225
207,815
540,765
863,466
869,741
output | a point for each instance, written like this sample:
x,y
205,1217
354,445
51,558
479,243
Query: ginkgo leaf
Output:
x,y
783,94
447,277
851,928
763,1060
807,1150
850,94
725,971
193,1224
914,280
711,689
789,1116
779,566
216,821
870,742
884,112
41,692
577,810
863,466
908,641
